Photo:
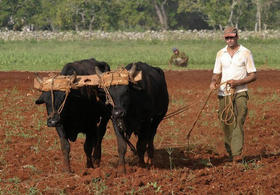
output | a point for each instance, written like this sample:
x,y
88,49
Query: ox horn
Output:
x,y
38,78
98,71
132,71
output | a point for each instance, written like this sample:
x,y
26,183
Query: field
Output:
x,y
50,55
31,160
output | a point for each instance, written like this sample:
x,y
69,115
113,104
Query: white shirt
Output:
x,y
236,67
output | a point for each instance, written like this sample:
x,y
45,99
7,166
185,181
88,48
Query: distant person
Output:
x,y
235,68
178,58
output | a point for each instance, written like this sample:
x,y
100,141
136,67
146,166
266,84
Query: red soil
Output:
x,y
31,160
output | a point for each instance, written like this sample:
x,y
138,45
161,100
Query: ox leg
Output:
x,y
100,134
150,148
141,149
122,147
65,148
88,146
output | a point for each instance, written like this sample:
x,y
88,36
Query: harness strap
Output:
x,y
64,101
52,97
109,98
132,148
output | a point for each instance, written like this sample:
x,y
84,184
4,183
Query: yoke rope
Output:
x,y
67,91
109,98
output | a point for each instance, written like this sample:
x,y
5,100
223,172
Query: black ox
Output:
x,y
82,112
139,108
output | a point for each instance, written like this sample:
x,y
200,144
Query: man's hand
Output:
x,y
233,83
213,85
214,81
250,78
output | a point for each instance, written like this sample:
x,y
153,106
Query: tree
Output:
x,y
258,25
14,14
191,15
137,15
233,4
217,12
110,15
159,6
270,14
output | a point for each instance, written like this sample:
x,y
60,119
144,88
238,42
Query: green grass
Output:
x,y
52,55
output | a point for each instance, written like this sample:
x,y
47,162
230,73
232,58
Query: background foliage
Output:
x,y
138,15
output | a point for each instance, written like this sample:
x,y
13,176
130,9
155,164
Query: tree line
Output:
x,y
138,15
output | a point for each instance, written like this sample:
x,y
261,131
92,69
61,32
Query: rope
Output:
x,y
67,91
227,115
64,101
109,98
52,96
228,111
183,109
179,111
198,115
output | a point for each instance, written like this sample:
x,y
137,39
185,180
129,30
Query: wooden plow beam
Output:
x,y
65,83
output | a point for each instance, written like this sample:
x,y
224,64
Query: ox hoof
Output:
x,y
141,164
67,170
150,161
97,162
89,165
121,170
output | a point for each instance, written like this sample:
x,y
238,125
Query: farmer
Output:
x,y
234,69
178,58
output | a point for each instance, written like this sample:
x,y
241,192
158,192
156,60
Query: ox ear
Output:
x,y
40,100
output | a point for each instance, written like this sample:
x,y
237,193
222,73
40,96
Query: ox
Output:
x,y
139,108
82,112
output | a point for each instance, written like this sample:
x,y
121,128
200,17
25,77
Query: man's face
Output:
x,y
231,41
176,52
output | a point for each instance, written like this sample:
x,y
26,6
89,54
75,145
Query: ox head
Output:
x,y
121,96
52,106
53,101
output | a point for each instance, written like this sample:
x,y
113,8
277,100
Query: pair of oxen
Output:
x,y
138,108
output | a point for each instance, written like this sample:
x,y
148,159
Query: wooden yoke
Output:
x,y
64,83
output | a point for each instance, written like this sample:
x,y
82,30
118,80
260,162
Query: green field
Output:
x,y
52,55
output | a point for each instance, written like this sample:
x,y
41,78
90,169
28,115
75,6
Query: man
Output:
x,y
178,58
234,69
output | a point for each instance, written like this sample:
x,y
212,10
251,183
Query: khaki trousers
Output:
x,y
234,133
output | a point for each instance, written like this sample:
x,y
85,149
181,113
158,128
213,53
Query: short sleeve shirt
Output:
x,y
236,67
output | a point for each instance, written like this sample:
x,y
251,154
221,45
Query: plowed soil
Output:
x,y
31,160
